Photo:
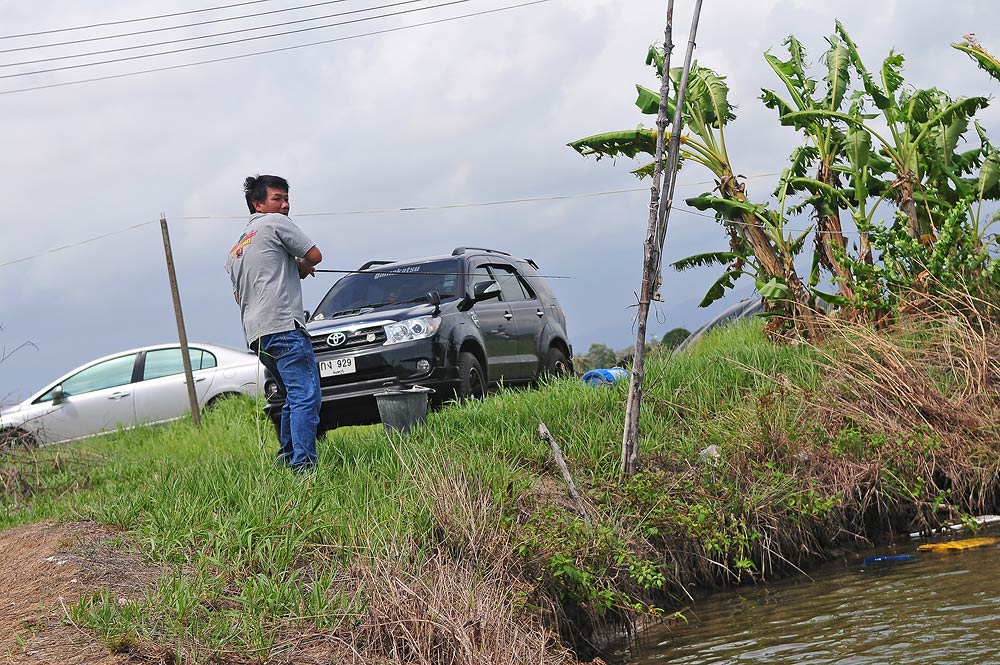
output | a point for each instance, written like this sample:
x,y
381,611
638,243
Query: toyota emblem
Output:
x,y
336,339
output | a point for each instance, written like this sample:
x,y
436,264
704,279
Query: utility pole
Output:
x,y
179,315
661,200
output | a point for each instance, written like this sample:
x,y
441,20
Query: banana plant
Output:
x,y
924,128
825,144
758,245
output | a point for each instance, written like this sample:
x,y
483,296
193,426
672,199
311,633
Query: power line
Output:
x,y
209,36
77,244
238,41
447,206
269,51
132,20
171,27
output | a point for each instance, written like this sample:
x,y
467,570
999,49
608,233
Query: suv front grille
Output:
x,y
352,339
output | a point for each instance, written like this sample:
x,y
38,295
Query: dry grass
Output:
x,y
927,390
461,599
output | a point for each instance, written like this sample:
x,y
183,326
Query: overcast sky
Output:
x,y
469,111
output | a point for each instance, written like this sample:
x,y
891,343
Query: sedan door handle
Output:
x,y
540,312
508,316
117,396
197,380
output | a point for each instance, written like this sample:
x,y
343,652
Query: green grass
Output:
x,y
255,552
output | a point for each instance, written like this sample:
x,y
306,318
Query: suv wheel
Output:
x,y
556,362
473,379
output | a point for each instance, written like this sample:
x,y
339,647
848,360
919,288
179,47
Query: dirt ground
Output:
x,y
44,569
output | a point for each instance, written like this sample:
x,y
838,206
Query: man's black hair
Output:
x,y
255,188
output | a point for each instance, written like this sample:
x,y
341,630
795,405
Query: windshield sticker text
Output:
x,y
398,271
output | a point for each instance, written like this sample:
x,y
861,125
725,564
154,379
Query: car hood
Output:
x,y
370,317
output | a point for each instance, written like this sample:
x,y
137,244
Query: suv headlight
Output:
x,y
411,329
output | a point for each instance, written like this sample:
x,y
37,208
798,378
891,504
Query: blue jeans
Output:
x,y
289,357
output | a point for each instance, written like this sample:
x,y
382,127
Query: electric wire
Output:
x,y
209,36
81,242
448,206
270,51
241,40
132,20
135,33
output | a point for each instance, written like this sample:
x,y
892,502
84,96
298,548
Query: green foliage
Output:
x,y
673,338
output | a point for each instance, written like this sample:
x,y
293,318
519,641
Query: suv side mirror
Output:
x,y
485,291
57,395
307,315
434,298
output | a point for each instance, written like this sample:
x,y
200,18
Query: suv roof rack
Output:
x,y
374,263
461,250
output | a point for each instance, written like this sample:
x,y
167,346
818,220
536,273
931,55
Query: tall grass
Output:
x,y
456,543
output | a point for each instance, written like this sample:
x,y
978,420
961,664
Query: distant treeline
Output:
x,y
601,355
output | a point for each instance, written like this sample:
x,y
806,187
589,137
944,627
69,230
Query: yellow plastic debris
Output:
x,y
966,544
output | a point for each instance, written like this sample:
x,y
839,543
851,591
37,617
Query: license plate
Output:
x,y
337,366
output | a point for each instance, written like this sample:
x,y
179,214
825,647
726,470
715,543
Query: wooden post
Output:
x,y
545,435
674,148
179,315
661,197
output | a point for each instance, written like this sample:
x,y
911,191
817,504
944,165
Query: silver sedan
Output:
x,y
141,386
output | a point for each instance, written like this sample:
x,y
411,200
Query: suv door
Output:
x,y
496,324
528,317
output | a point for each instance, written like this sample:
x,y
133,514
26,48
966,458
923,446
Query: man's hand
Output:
x,y
306,269
307,264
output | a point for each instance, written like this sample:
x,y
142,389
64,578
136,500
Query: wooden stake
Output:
x,y
179,315
545,435
661,199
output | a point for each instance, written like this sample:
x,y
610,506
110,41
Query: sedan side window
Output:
x,y
108,374
167,362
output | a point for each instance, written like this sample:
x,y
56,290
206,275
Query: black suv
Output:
x,y
459,324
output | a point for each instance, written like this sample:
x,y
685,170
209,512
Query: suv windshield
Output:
x,y
394,285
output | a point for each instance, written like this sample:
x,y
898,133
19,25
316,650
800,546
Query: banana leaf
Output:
x,y
986,62
706,259
720,286
626,143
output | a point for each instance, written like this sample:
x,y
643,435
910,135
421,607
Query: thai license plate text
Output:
x,y
337,366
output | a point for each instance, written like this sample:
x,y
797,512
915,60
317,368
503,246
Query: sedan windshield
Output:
x,y
395,285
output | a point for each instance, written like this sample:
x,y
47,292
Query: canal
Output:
x,y
939,607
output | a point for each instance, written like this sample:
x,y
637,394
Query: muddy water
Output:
x,y
938,608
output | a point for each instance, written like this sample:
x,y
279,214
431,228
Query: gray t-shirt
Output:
x,y
263,268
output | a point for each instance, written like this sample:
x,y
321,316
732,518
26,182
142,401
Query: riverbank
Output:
x,y
457,543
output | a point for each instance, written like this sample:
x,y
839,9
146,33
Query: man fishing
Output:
x,y
266,265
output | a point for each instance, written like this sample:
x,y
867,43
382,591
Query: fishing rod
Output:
x,y
415,272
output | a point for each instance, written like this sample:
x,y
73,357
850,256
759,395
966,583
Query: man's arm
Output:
x,y
307,264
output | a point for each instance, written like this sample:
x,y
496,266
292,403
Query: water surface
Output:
x,y
938,608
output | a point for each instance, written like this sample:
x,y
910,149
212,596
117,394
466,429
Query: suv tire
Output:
x,y
473,379
556,362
